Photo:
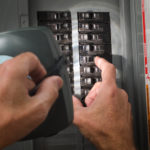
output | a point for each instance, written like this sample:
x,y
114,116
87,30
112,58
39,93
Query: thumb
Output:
x,y
49,90
78,112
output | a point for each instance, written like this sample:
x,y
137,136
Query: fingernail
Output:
x,y
59,82
98,59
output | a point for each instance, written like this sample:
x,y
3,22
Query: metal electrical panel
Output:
x,y
94,40
124,48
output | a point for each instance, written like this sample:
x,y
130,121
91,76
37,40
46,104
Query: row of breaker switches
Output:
x,y
94,49
64,27
89,69
63,38
96,16
94,40
94,27
66,49
60,24
54,16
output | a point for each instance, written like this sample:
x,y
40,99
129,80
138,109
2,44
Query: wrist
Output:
x,y
105,143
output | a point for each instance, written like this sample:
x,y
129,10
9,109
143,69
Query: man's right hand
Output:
x,y
19,112
107,119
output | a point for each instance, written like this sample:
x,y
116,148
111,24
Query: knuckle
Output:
x,y
52,85
130,107
124,93
31,55
43,110
87,101
112,67
6,63
4,90
112,91
8,67
40,117
50,98
78,119
97,84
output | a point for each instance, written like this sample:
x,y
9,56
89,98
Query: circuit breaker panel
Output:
x,y
94,40
125,45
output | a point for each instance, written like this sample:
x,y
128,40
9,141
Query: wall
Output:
x,y
13,15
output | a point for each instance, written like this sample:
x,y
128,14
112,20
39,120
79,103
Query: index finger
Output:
x,y
108,70
28,64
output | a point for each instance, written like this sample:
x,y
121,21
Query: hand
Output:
x,y
20,113
107,119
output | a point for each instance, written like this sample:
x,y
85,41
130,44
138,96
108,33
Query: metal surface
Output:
x,y
10,19
127,49
139,102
